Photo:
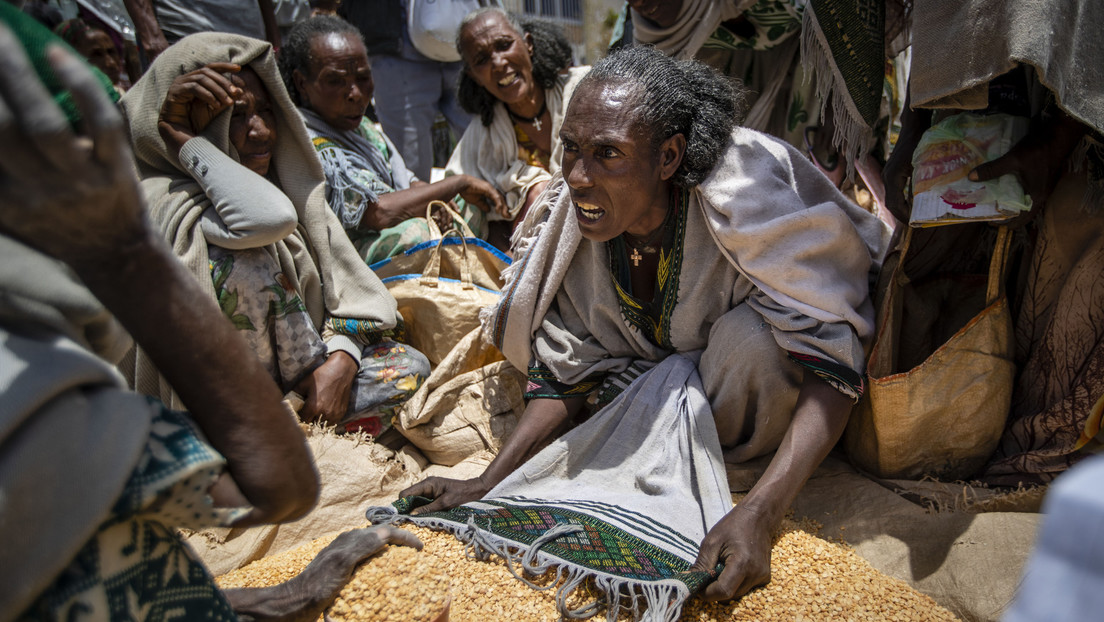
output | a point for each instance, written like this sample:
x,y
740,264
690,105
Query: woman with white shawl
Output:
x,y
234,185
517,79
675,233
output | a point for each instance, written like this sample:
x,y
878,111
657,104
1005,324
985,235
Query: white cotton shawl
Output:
x,y
696,21
491,152
806,250
331,278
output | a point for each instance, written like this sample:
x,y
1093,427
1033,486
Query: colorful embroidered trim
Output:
x,y
842,378
544,384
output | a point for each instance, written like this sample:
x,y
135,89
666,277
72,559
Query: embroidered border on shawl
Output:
x,y
543,383
842,378
366,331
598,537
658,331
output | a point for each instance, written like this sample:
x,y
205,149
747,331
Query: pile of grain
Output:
x,y
812,580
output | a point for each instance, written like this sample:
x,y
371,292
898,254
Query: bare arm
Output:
x,y
84,208
542,419
395,207
742,539
268,16
150,37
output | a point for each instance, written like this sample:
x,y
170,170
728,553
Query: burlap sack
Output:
x,y
470,403
440,285
944,416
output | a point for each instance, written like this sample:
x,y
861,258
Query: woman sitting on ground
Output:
x,y
659,187
234,184
517,80
380,202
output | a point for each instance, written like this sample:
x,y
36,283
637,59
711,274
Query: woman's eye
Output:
x,y
607,152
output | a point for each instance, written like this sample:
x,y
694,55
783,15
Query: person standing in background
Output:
x,y
160,23
415,87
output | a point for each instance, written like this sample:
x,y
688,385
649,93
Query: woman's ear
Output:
x,y
671,153
300,82
529,42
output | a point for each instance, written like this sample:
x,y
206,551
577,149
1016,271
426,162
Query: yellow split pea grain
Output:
x,y
811,580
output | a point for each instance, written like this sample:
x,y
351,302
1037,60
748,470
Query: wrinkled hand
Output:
x,y
1038,160
194,100
741,540
326,390
446,493
73,196
485,196
308,594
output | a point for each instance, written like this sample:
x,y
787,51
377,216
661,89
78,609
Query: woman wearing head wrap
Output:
x,y
234,184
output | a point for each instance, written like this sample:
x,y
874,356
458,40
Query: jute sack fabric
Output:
x,y
441,284
471,402
944,416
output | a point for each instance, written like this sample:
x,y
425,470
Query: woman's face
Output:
x,y
340,87
663,12
101,52
253,122
498,58
618,181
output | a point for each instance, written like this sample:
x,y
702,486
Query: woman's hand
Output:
x,y
484,195
446,493
193,101
742,542
72,196
326,390
1038,160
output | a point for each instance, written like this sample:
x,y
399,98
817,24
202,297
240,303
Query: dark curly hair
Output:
x,y
551,54
295,52
677,97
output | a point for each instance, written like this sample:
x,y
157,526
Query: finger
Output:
x,y
101,119
424,488
750,583
994,169
401,537
218,85
725,586
437,505
31,109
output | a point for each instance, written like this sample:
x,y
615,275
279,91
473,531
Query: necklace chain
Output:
x,y
534,121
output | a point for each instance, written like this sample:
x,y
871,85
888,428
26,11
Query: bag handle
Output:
x,y
431,275
435,231
995,288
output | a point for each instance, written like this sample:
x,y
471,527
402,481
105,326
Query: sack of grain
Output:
x,y
470,403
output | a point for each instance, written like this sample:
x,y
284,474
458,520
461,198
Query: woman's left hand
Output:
x,y
741,541
193,101
484,195
326,390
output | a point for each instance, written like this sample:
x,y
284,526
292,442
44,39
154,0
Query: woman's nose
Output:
x,y
259,129
576,174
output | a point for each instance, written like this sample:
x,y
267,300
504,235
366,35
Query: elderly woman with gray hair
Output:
x,y
681,257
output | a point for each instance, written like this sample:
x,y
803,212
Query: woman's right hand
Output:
x,y
193,101
446,493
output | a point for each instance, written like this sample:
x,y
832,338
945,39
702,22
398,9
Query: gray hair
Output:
x,y
677,97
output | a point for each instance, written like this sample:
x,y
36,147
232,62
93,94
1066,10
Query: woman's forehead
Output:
x,y
491,24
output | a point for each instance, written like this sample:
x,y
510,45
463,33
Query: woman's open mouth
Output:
x,y
508,79
589,213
